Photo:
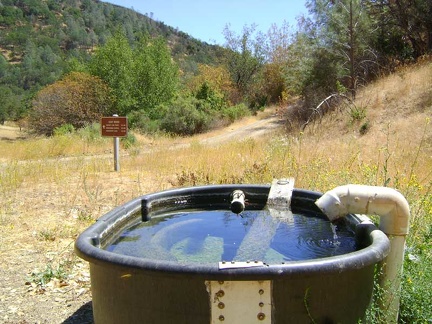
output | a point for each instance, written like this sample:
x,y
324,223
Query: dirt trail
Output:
x,y
255,126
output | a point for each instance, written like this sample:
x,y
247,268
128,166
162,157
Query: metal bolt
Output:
x,y
261,316
261,304
220,293
221,305
261,291
221,318
282,182
221,282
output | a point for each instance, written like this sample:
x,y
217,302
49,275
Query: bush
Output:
x,y
416,294
186,116
64,129
78,99
141,122
90,132
211,96
129,141
236,112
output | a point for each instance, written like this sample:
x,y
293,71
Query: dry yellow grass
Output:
x,y
51,189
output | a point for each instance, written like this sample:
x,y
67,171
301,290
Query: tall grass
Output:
x,y
57,197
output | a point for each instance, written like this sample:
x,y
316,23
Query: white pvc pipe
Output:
x,y
394,213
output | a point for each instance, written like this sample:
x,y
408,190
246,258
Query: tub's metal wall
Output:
x,y
122,295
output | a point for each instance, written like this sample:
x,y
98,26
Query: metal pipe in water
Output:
x,y
238,201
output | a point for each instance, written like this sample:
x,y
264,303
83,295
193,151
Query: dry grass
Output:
x,y
51,189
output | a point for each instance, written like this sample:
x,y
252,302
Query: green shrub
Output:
x,y
235,112
364,128
64,129
90,132
215,99
186,116
129,141
357,114
141,122
416,294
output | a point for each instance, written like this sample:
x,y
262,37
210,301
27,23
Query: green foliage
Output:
x,y
9,15
129,141
357,114
139,120
44,40
113,63
41,278
416,293
155,75
90,132
402,27
364,128
236,112
186,116
246,57
321,79
64,129
141,77
10,103
211,96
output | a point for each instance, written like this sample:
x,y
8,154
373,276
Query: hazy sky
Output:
x,y
206,19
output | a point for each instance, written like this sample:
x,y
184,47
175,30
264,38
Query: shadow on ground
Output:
x,y
83,315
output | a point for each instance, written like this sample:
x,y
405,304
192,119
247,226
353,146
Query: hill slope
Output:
x,y
40,39
385,135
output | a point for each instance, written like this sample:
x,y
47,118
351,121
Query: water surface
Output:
x,y
213,236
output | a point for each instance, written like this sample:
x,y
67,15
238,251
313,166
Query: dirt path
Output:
x,y
37,236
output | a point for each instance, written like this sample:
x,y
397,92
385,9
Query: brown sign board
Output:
x,y
114,126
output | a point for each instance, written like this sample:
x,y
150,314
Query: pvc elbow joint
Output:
x,y
387,203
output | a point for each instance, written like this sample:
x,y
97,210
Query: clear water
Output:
x,y
213,236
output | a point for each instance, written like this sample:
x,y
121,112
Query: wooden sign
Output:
x,y
114,126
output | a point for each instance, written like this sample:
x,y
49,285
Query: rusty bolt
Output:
x,y
261,291
220,293
221,282
261,304
221,305
261,316
221,318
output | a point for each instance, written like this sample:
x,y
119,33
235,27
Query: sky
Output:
x,y
206,19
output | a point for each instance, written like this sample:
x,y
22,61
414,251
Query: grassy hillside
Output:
x,y
385,138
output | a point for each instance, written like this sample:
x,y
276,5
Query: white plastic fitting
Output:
x,y
393,210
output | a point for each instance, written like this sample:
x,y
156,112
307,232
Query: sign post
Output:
x,y
115,127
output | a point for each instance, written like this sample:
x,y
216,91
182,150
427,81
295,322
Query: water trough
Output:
x,y
231,253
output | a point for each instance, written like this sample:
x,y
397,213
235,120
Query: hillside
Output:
x,y
395,108
42,40
75,27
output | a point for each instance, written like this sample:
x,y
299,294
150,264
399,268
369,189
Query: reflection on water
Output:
x,y
213,236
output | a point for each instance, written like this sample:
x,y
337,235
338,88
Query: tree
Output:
x,y
245,58
114,63
215,77
344,29
141,78
78,99
404,22
9,104
279,48
300,60
155,76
